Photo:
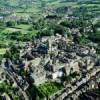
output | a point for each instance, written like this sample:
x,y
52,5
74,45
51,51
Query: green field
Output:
x,y
37,8
44,90
2,51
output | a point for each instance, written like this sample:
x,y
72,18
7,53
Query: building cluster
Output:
x,y
77,89
54,57
51,58
12,79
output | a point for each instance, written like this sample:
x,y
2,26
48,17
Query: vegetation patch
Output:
x,y
44,90
2,51
7,88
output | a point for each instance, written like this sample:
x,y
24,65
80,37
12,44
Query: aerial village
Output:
x,y
51,53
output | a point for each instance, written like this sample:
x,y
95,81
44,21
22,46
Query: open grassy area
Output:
x,y
44,90
9,30
23,26
50,88
2,51
18,32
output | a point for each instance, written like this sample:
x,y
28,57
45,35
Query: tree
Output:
x,y
12,53
10,23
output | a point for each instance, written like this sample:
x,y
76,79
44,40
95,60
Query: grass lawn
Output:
x,y
9,30
2,51
49,88
23,26
20,32
46,89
